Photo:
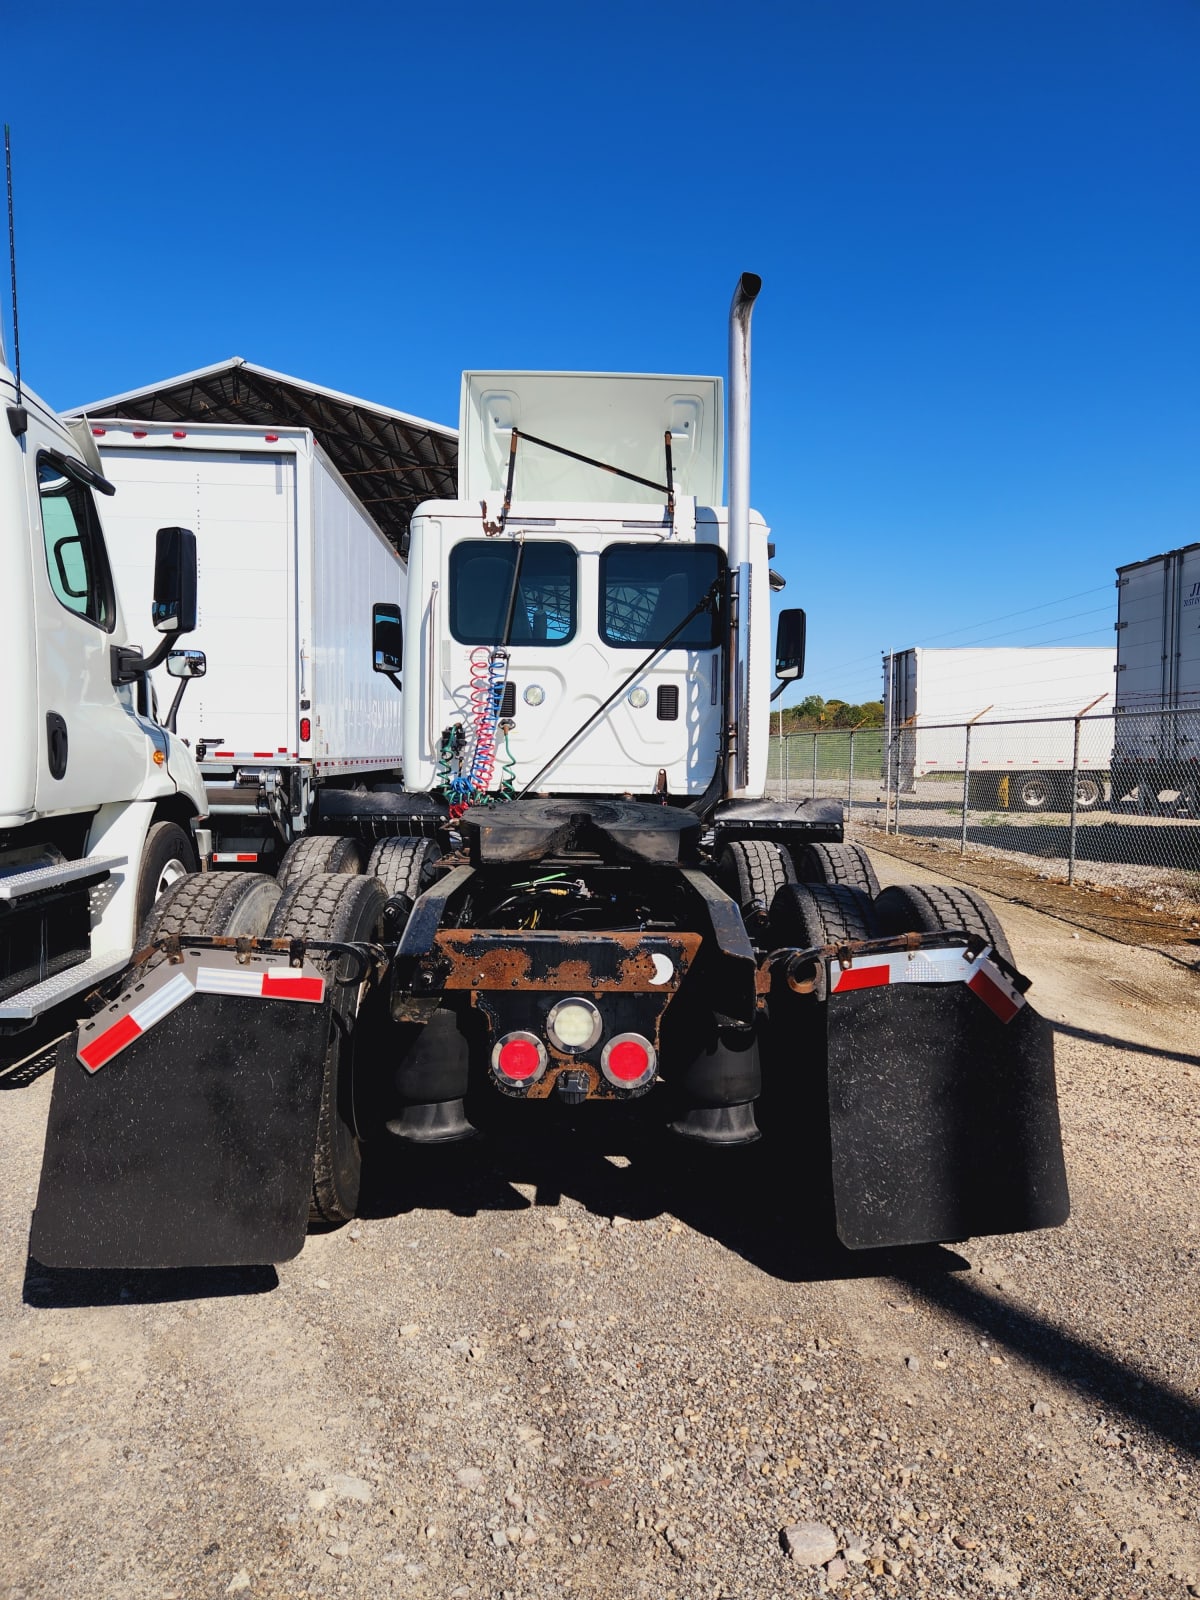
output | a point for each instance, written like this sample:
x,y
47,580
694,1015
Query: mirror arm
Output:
x,y
173,712
782,686
395,678
160,653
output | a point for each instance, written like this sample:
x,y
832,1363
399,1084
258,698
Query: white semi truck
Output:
x,y
1020,704
97,798
299,595
1156,762
581,899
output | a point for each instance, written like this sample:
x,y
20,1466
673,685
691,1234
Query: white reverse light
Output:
x,y
638,698
574,1025
534,695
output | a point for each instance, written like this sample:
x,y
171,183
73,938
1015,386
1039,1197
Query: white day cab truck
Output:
x,y
584,904
97,798
1156,762
1020,705
299,592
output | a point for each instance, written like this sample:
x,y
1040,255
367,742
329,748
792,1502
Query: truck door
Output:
x,y
91,747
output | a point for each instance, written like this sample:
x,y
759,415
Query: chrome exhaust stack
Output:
x,y
737,755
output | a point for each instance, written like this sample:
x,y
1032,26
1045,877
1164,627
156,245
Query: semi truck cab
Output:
x,y
96,797
578,588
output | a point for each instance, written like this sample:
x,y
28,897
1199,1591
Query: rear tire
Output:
x,y
1033,793
905,908
836,863
404,866
1089,794
752,872
233,904
335,906
808,914
167,859
319,852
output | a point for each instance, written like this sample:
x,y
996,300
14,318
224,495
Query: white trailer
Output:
x,y
294,578
1157,756
1020,704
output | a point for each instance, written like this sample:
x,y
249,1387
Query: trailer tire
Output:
x,y
404,866
1089,793
167,859
212,903
836,863
335,905
808,914
905,908
752,872
319,852
1035,791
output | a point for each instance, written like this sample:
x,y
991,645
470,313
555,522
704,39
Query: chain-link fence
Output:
x,y
1111,800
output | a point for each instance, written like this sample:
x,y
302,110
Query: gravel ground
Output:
x,y
579,1367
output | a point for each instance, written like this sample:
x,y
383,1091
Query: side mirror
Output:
x,y
789,645
174,608
387,639
187,663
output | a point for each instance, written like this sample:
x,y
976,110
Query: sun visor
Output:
x,y
618,418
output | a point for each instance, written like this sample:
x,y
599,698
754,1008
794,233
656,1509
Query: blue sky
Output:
x,y
977,348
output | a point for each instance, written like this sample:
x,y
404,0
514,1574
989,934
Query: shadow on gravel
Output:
x,y
1110,1383
1125,1044
768,1210
62,1286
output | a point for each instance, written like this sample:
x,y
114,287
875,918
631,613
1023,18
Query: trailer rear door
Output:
x,y
242,507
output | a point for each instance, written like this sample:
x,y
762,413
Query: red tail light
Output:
x,y
628,1061
518,1059
305,728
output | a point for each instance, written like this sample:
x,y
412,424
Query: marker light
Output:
x,y
534,695
574,1025
179,434
519,1059
638,698
628,1061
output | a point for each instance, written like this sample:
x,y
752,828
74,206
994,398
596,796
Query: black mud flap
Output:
x,y
191,1147
943,1119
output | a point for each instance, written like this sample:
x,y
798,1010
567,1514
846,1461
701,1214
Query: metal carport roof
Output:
x,y
392,461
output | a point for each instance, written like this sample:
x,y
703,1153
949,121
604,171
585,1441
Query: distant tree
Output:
x,y
813,712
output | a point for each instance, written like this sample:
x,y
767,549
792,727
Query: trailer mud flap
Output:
x,y
193,1146
943,1118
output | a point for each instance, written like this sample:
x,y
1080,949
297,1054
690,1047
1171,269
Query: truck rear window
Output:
x,y
481,586
647,590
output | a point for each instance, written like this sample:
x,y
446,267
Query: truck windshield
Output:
x,y
647,591
481,580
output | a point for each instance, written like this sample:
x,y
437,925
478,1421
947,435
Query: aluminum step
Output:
x,y
32,1002
32,880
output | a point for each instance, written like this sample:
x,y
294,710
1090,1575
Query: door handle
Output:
x,y
56,744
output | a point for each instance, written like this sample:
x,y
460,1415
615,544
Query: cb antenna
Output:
x,y
12,259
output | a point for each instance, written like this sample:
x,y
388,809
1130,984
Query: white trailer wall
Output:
x,y
290,567
1017,688
242,508
356,711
